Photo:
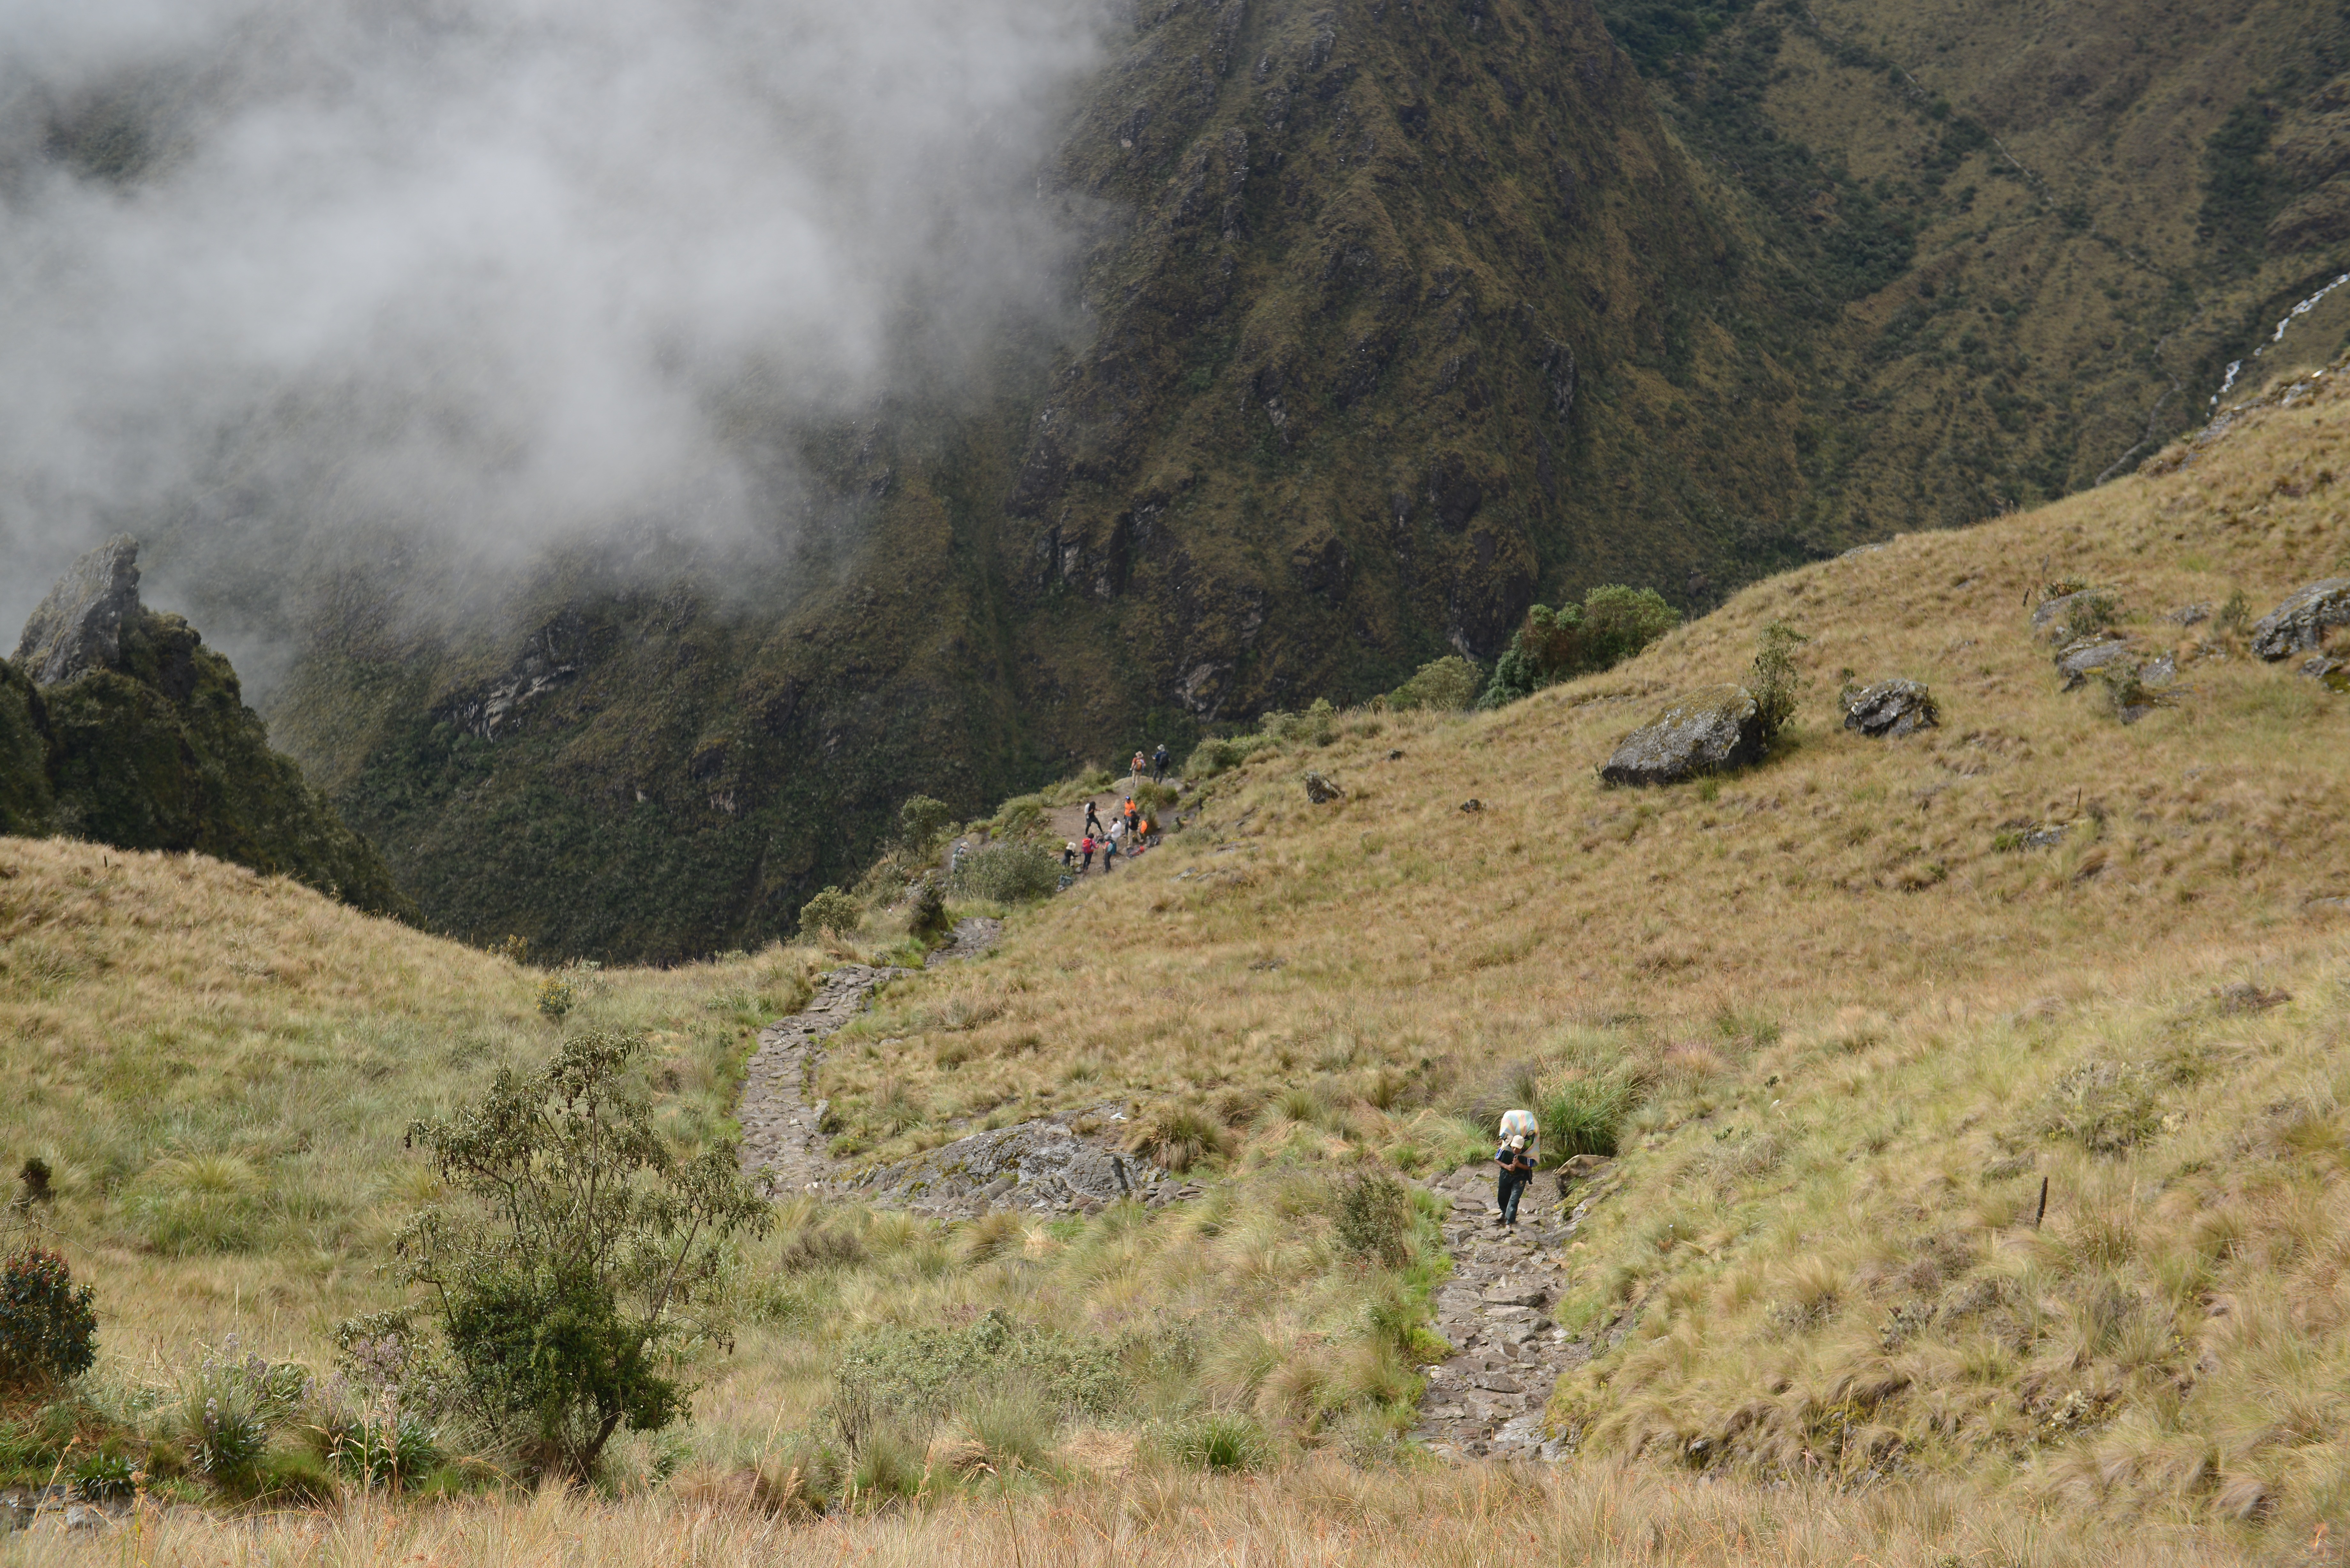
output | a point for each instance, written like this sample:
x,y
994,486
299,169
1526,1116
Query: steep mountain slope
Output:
x,y
1394,324
2021,245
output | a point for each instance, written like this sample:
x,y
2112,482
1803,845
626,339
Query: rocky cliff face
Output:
x,y
118,725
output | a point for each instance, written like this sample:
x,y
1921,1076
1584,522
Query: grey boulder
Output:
x,y
1709,731
2053,617
78,627
2299,624
1890,709
1321,790
2084,659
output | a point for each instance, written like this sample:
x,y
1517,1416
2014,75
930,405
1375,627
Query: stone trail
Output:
x,y
1056,1163
1488,1400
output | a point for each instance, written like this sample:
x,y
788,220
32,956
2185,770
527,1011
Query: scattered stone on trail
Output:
x,y
2299,624
1891,709
974,937
783,1147
1488,1399
2079,661
1321,790
1709,731
2195,613
78,627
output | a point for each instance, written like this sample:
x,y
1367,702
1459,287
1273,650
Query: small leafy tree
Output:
x,y
48,1330
1777,685
587,1245
1611,624
1446,684
920,822
831,912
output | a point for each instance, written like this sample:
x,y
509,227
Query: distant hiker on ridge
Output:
x,y
1160,762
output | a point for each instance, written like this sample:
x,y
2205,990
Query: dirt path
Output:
x,y
780,1122
1487,1401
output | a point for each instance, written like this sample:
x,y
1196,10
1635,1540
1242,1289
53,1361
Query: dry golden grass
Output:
x,y
219,1067
1864,1022
1318,1516
1853,1000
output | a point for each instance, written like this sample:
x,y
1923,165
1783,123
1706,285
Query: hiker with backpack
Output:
x,y
1520,1138
1085,853
1160,762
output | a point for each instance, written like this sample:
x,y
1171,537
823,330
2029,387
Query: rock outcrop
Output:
x,y
78,627
2077,661
2068,618
1709,731
1321,790
118,725
1890,709
2299,624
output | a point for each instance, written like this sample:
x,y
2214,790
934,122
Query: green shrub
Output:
x,y
228,1406
922,821
1775,683
1220,1441
384,1448
1374,1219
1318,726
555,999
104,1477
830,912
927,910
1008,873
1223,754
1448,685
561,1288
916,1374
48,1330
1612,624
1584,1115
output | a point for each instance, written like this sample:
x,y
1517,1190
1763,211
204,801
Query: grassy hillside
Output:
x,y
218,1068
1833,1019
1864,998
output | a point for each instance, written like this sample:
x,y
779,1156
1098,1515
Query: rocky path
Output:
x,y
783,1148
1487,1401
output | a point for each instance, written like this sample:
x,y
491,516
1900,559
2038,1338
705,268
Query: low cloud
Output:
x,y
484,276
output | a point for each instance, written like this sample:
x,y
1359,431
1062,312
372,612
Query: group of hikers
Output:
x,y
1131,827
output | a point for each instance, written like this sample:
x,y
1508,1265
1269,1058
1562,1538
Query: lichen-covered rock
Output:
x,y
2300,623
1890,709
1321,790
2328,671
2082,660
1707,732
78,627
1040,1166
